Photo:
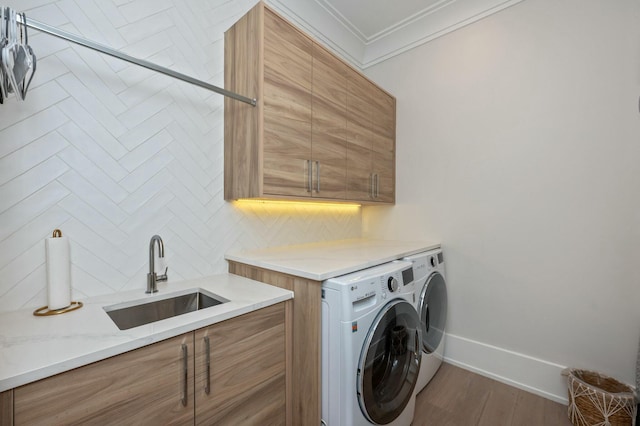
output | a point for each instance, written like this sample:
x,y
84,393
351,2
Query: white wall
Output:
x,y
112,153
518,141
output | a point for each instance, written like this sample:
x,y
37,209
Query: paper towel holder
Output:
x,y
45,311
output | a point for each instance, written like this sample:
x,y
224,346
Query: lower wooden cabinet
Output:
x,y
306,328
240,370
6,408
231,373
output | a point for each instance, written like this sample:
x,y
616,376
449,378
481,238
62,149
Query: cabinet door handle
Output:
x,y
371,184
317,176
207,354
377,186
185,375
309,176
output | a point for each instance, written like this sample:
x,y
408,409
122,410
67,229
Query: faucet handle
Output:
x,y
164,276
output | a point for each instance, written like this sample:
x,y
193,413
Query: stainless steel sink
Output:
x,y
132,314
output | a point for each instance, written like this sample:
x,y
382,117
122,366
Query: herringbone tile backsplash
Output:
x,y
112,153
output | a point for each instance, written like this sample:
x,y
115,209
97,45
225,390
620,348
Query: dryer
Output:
x,y
431,306
371,347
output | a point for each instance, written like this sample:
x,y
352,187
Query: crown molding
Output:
x,y
427,26
368,39
329,26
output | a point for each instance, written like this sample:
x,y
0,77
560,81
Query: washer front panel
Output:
x,y
389,362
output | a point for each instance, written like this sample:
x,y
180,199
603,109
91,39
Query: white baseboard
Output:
x,y
521,371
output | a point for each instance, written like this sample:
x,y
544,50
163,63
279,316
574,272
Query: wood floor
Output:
x,y
457,397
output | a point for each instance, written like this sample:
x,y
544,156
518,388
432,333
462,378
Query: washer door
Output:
x,y
389,362
433,311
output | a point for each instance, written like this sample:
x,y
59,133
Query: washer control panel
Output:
x,y
395,282
370,285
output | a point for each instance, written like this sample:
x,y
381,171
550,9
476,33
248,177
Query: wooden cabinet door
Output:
x,y
6,408
142,387
245,372
383,145
287,109
329,125
243,47
359,176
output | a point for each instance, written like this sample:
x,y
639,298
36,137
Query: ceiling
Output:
x,y
370,19
366,32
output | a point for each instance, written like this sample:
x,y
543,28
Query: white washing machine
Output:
x,y
431,305
371,347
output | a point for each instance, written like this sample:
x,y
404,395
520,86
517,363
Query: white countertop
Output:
x,y
324,260
32,348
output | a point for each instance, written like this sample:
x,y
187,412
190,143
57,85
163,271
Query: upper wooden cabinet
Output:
x,y
321,130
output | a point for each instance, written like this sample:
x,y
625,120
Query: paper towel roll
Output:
x,y
58,272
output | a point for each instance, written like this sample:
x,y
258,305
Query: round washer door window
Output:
x,y
389,363
433,311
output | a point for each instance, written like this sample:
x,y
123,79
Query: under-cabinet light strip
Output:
x,y
296,203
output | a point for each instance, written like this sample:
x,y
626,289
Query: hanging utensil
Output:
x,y
17,60
30,59
3,43
9,54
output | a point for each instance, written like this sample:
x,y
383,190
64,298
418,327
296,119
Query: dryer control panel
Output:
x,y
425,263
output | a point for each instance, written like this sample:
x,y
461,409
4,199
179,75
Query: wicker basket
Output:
x,y
596,399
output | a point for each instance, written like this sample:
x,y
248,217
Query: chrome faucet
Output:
x,y
152,277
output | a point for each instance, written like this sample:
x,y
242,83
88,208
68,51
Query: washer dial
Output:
x,y
392,284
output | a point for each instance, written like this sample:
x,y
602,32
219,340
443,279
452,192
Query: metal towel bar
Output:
x,y
40,26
